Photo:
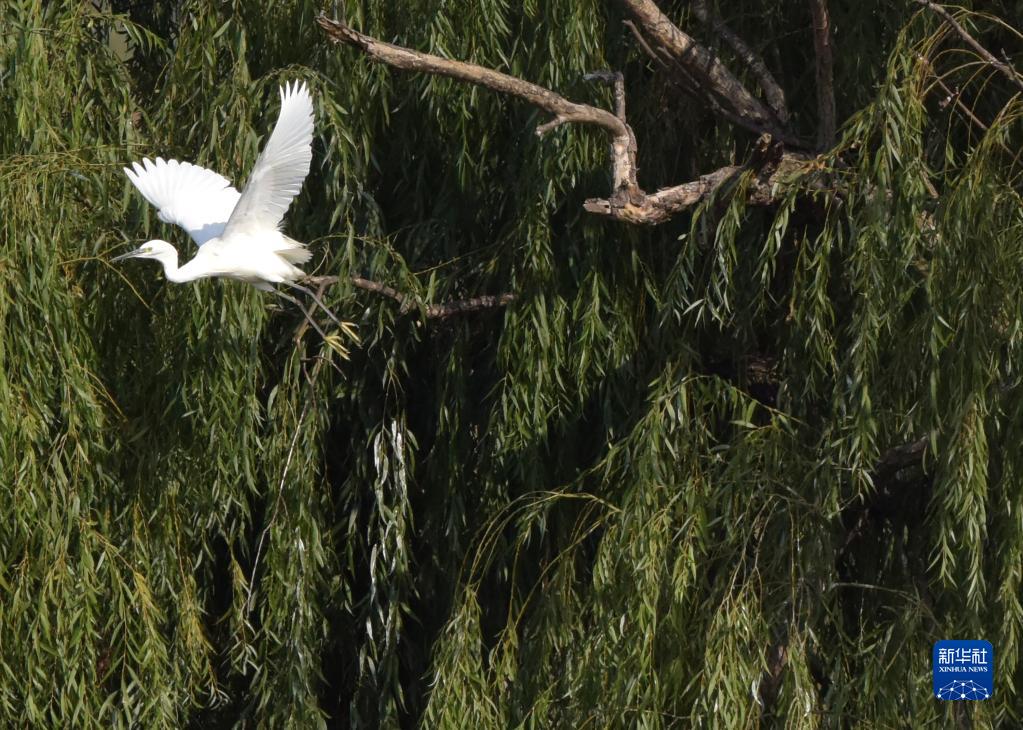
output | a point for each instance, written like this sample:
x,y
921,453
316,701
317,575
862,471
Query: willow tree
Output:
x,y
686,390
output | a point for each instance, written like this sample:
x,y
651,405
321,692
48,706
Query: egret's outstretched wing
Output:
x,y
197,199
283,164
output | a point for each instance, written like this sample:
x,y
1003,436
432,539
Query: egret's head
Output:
x,y
155,249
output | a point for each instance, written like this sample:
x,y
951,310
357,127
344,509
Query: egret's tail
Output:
x,y
292,251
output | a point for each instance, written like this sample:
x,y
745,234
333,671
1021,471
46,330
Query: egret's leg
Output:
x,y
301,308
316,299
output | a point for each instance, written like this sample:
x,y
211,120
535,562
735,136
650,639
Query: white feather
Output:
x,y
281,168
197,199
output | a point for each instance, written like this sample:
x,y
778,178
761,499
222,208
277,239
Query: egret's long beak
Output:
x,y
129,255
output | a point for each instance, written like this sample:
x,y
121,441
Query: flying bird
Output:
x,y
239,234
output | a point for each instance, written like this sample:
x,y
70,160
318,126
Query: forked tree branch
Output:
x,y
627,202
662,205
431,311
705,70
563,110
825,74
773,92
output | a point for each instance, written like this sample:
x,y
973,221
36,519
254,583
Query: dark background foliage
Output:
x,y
739,469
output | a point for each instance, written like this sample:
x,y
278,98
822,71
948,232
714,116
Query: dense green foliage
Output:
x,y
656,490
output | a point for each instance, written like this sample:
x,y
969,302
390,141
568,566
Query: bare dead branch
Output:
x,y
473,304
763,188
563,110
773,92
710,75
410,60
772,677
1008,71
627,202
431,311
825,74
681,77
900,457
373,286
618,81
897,472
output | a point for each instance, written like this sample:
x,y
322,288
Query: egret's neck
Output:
x,y
169,260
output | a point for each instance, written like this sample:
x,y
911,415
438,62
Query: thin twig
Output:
x,y
1007,70
953,96
431,311
642,42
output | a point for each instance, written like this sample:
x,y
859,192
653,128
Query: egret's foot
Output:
x,y
319,302
302,309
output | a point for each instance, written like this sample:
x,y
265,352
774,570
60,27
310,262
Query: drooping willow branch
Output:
x,y
1008,71
951,95
430,311
627,202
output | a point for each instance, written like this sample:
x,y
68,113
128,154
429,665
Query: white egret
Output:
x,y
238,234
